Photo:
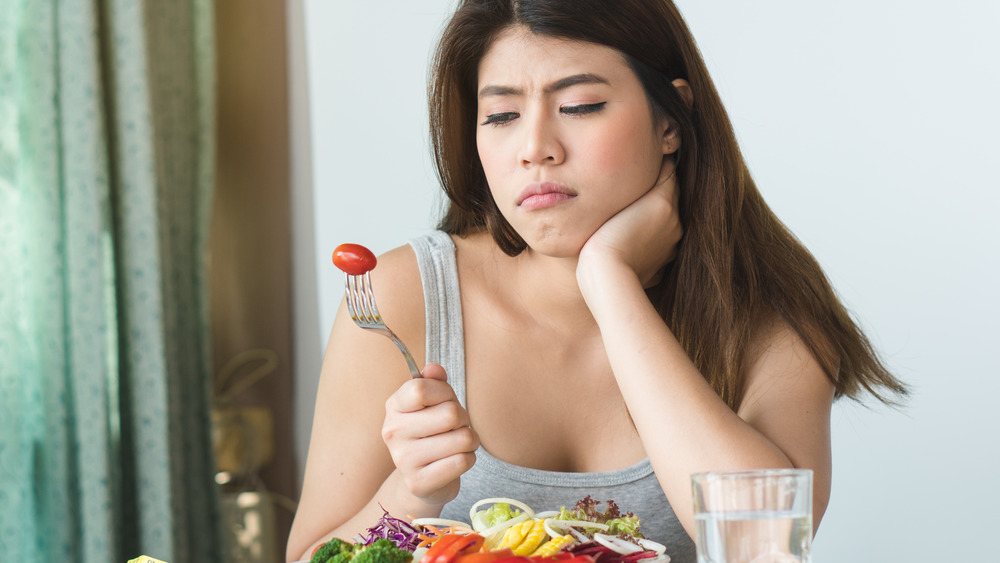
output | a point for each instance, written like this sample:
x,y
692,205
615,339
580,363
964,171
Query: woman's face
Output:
x,y
565,135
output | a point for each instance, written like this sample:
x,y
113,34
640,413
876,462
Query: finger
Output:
x,y
417,394
423,452
429,421
434,371
430,479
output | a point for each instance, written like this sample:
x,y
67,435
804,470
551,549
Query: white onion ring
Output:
x,y
617,545
651,545
548,529
580,524
524,508
489,533
440,522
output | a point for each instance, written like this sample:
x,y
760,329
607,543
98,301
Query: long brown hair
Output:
x,y
737,266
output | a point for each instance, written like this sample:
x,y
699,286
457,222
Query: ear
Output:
x,y
684,90
671,135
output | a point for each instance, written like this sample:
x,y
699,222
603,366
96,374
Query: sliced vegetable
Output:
x,y
533,537
515,535
499,512
553,546
450,546
497,515
437,553
493,534
402,534
517,559
651,545
617,544
601,554
485,556
523,538
443,523
568,525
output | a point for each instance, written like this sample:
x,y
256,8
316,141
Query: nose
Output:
x,y
541,144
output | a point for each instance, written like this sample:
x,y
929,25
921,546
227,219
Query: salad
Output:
x,y
504,530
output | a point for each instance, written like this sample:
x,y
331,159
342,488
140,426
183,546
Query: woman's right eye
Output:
x,y
500,119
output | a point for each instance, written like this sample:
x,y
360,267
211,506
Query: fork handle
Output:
x,y
414,371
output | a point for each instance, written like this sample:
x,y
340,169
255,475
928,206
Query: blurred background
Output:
x,y
174,175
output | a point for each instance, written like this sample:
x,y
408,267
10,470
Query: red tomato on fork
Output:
x,y
354,259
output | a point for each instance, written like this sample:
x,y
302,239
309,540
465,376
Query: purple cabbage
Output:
x,y
402,534
603,554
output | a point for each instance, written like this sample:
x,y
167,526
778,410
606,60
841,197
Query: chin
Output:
x,y
557,244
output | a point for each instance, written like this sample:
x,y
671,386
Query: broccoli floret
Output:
x,y
381,551
333,552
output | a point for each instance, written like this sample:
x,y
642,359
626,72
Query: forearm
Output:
x,y
392,496
684,425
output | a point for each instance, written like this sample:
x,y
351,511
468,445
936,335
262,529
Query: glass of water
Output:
x,y
760,516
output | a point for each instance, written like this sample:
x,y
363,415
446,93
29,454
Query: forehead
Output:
x,y
518,56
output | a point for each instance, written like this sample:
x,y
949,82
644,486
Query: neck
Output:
x,y
548,288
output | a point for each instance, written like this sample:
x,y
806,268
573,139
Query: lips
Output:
x,y
543,194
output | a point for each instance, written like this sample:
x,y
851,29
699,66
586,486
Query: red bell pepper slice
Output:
x,y
484,556
511,558
577,559
450,546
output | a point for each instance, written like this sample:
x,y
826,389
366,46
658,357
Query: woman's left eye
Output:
x,y
582,109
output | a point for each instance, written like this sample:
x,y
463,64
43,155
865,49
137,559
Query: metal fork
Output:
x,y
361,306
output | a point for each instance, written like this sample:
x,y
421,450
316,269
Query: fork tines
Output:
x,y
361,299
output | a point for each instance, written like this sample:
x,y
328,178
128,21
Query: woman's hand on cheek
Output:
x,y
643,236
429,437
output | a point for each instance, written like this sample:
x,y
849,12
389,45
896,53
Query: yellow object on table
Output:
x,y
145,559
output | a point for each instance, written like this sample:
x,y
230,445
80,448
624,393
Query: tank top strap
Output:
x,y
445,342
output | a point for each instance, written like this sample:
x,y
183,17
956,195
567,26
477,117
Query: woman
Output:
x,y
609,306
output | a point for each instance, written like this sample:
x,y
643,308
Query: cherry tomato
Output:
x,y
354,259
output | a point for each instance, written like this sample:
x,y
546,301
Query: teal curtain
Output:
x,y
106,171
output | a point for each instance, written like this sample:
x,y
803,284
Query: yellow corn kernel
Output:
x,y
532,539
552,546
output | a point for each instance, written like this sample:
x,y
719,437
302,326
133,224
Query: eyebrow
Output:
x,y
561,84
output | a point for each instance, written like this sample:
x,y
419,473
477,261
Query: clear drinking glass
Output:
x,y
761,516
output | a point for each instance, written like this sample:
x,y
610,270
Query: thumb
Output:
x,y
434,371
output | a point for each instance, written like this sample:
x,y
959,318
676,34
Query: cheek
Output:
x,y
627,153
492,158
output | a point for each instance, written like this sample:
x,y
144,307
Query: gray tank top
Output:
x,y
634,488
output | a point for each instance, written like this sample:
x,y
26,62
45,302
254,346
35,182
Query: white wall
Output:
x,y
872,129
